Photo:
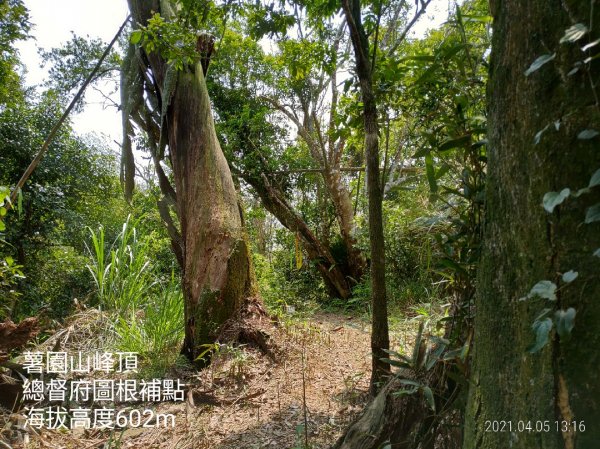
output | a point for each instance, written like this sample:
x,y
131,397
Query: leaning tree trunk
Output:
x,y
329,157
275,202
217,275
524,244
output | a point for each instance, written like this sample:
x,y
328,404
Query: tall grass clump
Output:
x,y
156,331
145,309
123,276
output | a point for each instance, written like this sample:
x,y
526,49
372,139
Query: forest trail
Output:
x,y
247,400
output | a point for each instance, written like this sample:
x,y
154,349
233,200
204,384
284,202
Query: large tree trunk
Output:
x,y
379,333
217,274
524,244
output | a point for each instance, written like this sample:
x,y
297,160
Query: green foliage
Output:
x,y
441,82
150,227
266,20
14,25
75,185
284,287
154,330
410,249
173,32
553,199
10,272
60,281
541,329
169,38
574,33
587,134
539,62
424,358
72,63
563,320
543,289
252,140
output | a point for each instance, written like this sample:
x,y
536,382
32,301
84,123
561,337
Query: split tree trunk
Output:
x,y
217,275
405,421
523,244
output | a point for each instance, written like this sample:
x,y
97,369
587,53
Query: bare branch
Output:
x,y
417,16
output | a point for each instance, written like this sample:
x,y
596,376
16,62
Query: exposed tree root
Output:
x,y
13,336
248,327
403,421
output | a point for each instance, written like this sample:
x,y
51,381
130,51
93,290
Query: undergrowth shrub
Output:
x,y
123,275
412,258
61,278
283,284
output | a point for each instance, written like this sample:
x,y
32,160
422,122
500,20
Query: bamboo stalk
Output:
x,y
38,157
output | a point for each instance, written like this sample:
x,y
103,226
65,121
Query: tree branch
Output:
x,y
416,17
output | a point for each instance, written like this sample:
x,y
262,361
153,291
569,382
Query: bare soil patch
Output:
x,y
247,399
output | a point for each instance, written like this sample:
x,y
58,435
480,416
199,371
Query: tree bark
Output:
x,y
524,244
379,334
217,275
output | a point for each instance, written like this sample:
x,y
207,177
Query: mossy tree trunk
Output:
x,y
217,274
524,244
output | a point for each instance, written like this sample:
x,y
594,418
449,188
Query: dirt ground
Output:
x,y
319,375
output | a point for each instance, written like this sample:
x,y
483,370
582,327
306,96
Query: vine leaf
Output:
x,y
593,214
569,276
539,62
543,314
595,179
565,321
574,33
542,330
587,134
539,134
553,199
590,45
136,37
543,289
